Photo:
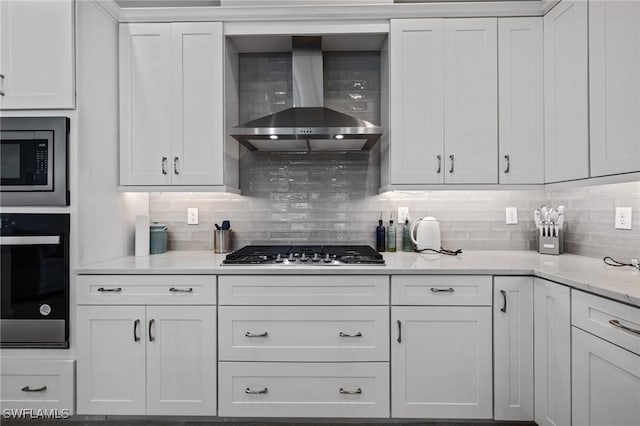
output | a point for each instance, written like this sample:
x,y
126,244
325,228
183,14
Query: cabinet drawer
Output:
x,y
310,333
304,290
304,389
456,290
52,381
146,290
605,318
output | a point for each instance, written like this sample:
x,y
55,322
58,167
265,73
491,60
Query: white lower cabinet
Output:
x,y
156,360
552,355
441,362
513,348
257,389
605,382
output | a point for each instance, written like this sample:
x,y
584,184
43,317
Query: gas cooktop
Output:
x,y
305,255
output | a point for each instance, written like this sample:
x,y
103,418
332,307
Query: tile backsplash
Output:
x,y
332,198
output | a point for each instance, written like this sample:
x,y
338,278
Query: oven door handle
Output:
x,y
31,240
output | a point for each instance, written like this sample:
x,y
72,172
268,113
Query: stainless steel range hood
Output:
x,y
308,126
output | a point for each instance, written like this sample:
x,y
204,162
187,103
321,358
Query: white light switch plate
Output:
x,y
623,217
512,215
192,216
403,214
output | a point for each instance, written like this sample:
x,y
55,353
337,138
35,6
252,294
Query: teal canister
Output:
x,y
158,238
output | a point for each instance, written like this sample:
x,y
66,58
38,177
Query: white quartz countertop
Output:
x,y
580,272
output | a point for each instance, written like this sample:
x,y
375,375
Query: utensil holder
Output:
x,y
222,240
550,245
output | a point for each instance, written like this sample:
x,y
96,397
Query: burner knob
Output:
x,y
291,258
279,258
303,257
327,258
316,257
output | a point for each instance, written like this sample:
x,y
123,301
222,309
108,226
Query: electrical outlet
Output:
x,y
192,216
511,215
623,217
403,214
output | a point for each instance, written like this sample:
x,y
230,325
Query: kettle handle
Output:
x,y
414,225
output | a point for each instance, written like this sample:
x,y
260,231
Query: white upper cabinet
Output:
x,y
614,78
443,91
566,92
471,97
417,101
521,128
171,104
145,104
37,54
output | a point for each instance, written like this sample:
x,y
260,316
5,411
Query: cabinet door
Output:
x,y
197,103
145,104
614,78
36,59
111,360
181,360
520,90
552,356
417,101
441,362
605,382
513,348
566,92
471,100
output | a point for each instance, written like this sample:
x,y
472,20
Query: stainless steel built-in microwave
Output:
x,y
33,161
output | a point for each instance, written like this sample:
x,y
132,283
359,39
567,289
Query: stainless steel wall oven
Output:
x,y
34,293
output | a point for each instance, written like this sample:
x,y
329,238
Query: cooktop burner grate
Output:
x,y
305,255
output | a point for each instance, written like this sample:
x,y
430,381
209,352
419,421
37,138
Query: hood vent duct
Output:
x,y
308,126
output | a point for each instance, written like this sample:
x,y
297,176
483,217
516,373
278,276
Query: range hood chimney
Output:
x,y
308,126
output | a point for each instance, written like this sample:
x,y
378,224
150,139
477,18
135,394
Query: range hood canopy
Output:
x,y
308,126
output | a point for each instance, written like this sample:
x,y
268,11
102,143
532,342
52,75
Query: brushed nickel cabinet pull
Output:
x,y
110,290
508,158
452,159
256,392
28,389
439,158
136,338
399,331
151,322
250,334
181,290
175,165
343,334
616,323
356,391
504,301
164,165
442,290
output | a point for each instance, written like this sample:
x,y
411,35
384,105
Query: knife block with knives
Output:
x,y
549,224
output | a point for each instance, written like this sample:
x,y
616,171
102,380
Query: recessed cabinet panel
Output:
x,y
37,54
181,354
197,101
471,101
417,101
111,359
614,78
605,382
145,104
566,92
521,124
441,362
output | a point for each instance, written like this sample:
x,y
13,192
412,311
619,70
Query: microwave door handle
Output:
x,y
30,240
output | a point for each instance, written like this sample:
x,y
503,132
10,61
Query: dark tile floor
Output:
x,y
221,421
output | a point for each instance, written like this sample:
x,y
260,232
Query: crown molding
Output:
x,y
335,13
110,8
